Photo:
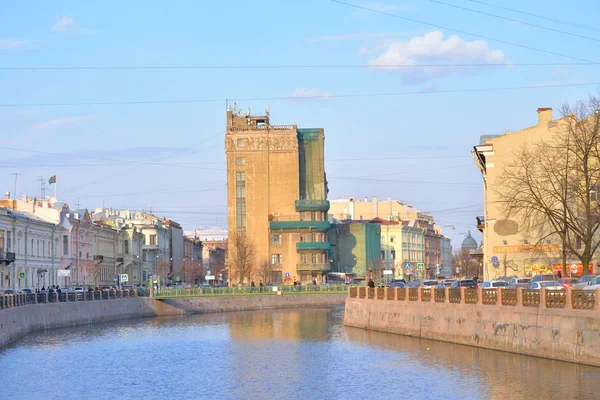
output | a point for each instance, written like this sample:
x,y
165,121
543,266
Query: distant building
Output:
x,y
355,209
192,260
277,196
446,257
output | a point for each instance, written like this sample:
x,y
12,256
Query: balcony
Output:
x,y
313,245
320,226
98,258
7,257
480,223
312,267
312,205
119,259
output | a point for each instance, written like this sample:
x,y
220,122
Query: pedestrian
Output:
x,y
371,283
252,284
261,285
559,274
314,281
43,288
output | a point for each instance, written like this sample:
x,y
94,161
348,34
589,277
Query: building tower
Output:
x,y
277,197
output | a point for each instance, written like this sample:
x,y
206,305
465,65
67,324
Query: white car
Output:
x,y
494,284
550,285
594,284
429,283
78,289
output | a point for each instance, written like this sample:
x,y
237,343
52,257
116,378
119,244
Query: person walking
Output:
x,y
371,283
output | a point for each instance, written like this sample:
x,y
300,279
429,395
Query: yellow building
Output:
x,y
355,209
507,249
277,196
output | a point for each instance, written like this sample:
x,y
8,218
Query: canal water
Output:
x,y
283,354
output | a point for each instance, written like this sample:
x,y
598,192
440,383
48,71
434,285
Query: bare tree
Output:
x,y
467,265
94,269
242,255
552,186
266,271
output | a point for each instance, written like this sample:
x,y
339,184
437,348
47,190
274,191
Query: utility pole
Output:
x,y
42,182
16,174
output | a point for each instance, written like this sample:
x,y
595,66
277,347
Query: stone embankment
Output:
x,y
556,324
21,314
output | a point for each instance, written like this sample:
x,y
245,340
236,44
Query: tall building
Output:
x,y
277,197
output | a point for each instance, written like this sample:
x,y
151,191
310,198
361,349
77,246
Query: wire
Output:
x,y
514,20
537,16
325,96
460,31
313,66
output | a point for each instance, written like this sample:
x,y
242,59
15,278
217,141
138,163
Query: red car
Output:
x,y
566,282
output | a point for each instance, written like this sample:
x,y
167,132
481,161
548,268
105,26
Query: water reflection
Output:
x,y
295,354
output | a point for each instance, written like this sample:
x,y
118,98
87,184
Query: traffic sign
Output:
x,y
154,277
116,277
387,272
494,259
287,274
22,275
420,266
574,268
124,278
210,277
407,265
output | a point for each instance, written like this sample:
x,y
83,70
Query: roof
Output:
x,y
469,242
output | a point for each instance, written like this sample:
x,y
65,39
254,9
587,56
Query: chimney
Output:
x,y
374,202
7,195
544,116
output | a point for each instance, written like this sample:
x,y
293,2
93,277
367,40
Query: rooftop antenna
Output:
x,y
42,182
78,204
16,174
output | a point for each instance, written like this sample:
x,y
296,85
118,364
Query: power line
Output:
x,y
309,66
460,31
325,96
514,20
538,16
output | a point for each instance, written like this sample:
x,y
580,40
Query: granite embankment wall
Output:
x,y
543,324
18,321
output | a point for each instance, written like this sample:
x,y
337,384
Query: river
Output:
x,y
283,354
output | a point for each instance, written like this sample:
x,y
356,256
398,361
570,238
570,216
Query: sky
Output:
x,y
152,138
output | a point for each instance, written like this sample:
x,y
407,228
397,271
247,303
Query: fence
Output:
x,y
544,298
16,300
267,291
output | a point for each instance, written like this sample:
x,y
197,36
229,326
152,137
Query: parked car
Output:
x,y
25,291
494,284
550,285
522,282
466,283
430,283
414,284
8,291
594,284
543,277
399,284
79,289
108,288
583,282
566,282
449,282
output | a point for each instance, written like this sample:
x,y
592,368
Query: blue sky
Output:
x,y
170,157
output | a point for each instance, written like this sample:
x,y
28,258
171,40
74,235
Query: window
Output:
x,y
275,259
65,245
144,256
302,216
152,240
126,247
276,239
240,143
80,254
240,161
31,249
87,255
37,253
8,242
240,201
393,253
392,239
382,239
303,258
43,247
383,254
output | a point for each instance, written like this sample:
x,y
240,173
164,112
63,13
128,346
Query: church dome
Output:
x,y
469,242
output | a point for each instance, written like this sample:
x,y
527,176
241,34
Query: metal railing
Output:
x,y
257,290
565,299
16,300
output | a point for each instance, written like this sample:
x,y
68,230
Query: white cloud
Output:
x,y
432,48
337,38
7,44
65,24
63,121
310,94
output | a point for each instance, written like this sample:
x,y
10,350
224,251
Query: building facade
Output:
x,y
29,256
192,260
446,257
355,209
277,197
508,250
355,249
